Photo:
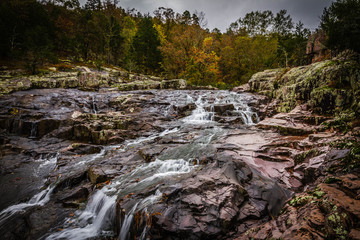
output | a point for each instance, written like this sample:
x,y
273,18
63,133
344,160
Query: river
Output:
x,y
162,155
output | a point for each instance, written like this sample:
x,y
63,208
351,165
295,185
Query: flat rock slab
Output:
x,y
285,126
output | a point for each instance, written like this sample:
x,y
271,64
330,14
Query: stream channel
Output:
x,y
142,164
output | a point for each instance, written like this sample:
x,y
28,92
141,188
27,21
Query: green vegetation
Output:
x,y
352,160
299,158
331,180
170,44
318,193
300,201
341,23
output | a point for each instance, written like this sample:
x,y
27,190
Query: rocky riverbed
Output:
x,y
173,164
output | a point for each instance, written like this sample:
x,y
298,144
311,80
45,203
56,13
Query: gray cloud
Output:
x,y
220,13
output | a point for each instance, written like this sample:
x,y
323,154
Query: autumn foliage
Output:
x,y
165,43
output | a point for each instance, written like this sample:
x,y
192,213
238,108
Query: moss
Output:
x,y
300,201
288,222
76,145
352,160
318,194
324,86
14,111
299,158
340,232
342,122
338,225
252,230
330,180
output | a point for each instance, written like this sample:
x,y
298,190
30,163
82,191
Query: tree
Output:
x,y
283,23
341,23
27,32
257,22
202,67
185,18
69,4
94,5
198,18
243,56
177,49
128,33
146,45
166,17
113,39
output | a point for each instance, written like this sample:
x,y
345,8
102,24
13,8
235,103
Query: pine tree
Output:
x,y
341,22
146,44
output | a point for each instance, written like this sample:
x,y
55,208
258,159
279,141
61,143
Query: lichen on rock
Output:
x,y
329,86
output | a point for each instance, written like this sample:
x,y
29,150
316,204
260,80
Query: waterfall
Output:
x,y
140,140
96,217
33,132
94,156
94,105
99,212
199,115
244,110
139,206
40,199
124,232
190,143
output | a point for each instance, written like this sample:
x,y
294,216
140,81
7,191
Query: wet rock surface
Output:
x,y
170,165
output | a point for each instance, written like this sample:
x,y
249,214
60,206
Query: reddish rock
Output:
x,y
342,199
354,234
316,48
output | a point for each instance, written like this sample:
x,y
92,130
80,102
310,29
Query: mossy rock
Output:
x,y
329,87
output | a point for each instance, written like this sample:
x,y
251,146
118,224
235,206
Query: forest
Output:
x,y
164,43
116,124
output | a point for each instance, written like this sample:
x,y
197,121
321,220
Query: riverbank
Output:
x,y
173,164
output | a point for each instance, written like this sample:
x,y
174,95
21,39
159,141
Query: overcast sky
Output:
x,y
220,13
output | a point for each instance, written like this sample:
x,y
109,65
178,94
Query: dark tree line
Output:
x,y
175,45
341,23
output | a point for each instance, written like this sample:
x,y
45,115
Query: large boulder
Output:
x,y
139,85
173,84
328,86
209,204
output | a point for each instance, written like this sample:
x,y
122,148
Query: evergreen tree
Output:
x,y
146,45
94,5
341,22
27,32
283,23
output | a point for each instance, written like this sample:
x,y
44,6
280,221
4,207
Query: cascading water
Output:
x,y
94,156
94,105
140,140
39,199
47,164
140,206
199,115
196,137
159,169
99,213
33,131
